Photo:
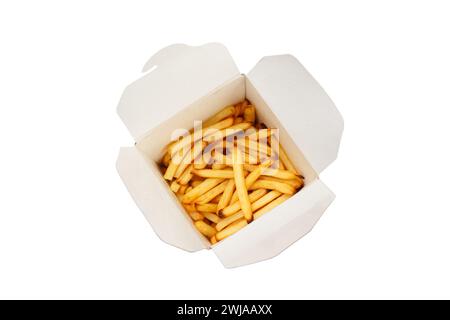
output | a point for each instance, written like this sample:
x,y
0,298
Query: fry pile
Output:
x,y
229,172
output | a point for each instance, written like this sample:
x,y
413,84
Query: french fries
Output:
x,y
225,175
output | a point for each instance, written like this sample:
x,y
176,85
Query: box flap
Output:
x,y
301,105
273,232
176,76
150,194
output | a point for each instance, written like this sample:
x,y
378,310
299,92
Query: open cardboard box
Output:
x,y
182,84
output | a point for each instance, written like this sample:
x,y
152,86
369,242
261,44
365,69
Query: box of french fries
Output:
x,y
224,160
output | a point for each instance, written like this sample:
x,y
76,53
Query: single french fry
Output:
x,y
226,195
174,186
201,164
273,185
208,207
231,229
250,114
188,189
213,240
211,194
252,177
196,216
241,187
236,206
205,229
202,188
211,217
223,223
218,166
189,139
168,175
271,205
296,183
219,116
211,173
186,176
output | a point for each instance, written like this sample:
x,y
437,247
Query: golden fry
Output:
x,y
226,195
202,188
296,183
174,186
208,207
271,205
223,223
186,176
273,185
236,206
250,114
211,217
211,194
196,216
241,187
205,229
231,229
211,173
222,114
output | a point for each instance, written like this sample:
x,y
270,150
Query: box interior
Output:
x,y
153,144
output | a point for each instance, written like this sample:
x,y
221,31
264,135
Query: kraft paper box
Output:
x,y
182,84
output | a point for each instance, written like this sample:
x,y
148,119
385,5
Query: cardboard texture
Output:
x,y
185,83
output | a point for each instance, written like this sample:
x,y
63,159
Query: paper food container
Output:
x,y
183,83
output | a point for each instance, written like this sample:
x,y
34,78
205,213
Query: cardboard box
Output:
x,y
182,84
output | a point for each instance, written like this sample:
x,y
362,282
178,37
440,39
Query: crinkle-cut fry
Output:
x,y
174,186
219,116
213,240
273,185
223,223
231,229
250,114
241,187
236,206
271,205
193,137
189,157
211,217
186,176
211,194
252,177
196,216
295,183
238,120
211,173
205,229
233,130
202,188
207,207
226,195
280,174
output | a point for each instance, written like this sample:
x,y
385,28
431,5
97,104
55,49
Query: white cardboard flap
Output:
x,y
269,235
177,76
301,105
154,200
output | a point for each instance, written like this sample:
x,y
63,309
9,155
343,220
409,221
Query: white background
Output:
x,y
68,227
